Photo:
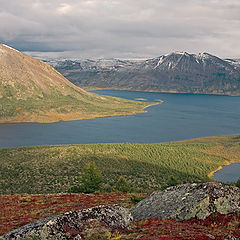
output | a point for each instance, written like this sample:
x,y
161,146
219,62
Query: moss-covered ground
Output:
x,y
147,167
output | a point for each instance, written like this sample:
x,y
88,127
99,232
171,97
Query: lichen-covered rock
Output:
x,y
71,224
189,201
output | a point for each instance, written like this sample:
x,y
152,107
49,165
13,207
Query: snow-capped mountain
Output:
x,y
174,72
92,65
184,62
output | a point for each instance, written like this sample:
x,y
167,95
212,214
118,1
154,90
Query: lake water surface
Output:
x,y
228,174
179,117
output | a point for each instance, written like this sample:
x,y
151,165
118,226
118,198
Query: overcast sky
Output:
x,y
121,28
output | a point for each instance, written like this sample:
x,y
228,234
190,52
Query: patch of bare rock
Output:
x,y
188,201
72,222
180,202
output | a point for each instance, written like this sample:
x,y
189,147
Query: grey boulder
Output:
x,y
55,227
188,201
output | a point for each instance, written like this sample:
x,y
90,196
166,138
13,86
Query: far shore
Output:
x,y
157,91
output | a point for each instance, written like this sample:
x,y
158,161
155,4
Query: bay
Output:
x,y
179,117
228,174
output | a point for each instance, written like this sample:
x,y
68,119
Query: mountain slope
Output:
x,y
32,91
175,72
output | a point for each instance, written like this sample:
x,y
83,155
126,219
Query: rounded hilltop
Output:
x,y
33,91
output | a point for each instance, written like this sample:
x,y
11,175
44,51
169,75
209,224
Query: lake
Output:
x,y
228,174
179,117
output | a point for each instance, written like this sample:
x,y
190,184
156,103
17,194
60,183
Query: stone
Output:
x,y
70,224
188,201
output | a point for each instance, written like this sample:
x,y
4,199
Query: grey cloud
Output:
x,y
121,28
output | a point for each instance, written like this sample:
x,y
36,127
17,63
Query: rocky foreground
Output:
x,y
188,211
188,201
71,224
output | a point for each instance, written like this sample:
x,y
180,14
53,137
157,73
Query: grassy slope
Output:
x,y
32,91
49,169
54,108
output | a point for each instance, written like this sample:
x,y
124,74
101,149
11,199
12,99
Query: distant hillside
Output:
x,y
175,72
147,167
33,91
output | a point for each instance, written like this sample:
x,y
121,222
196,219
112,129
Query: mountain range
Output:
x,y
33,91
175,72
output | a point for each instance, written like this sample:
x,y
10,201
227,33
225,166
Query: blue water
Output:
x,y
228,174
179,117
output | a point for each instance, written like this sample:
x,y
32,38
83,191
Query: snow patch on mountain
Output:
x,y
174,72
179,61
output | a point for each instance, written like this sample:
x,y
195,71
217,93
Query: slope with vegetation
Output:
x,y
146,167
32,91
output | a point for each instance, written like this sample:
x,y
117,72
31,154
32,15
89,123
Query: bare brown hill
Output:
x,y
33,91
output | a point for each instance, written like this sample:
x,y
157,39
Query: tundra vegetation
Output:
x,y
90,179
146,167
138,167
20,209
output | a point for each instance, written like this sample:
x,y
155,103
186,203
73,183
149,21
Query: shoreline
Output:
x,y
86,88
226,163
65,119
177,141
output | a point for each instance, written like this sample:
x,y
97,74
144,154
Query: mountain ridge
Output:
x,y
174,72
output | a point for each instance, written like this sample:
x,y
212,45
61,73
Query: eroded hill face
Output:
x,y
32,91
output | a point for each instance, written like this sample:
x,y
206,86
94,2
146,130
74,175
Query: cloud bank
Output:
x,y
121,28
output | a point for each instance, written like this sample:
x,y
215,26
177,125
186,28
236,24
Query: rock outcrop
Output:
x,y
71,224
188,201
